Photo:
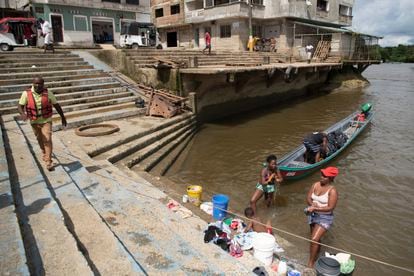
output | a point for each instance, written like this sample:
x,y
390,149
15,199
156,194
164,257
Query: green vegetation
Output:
x,y
401,53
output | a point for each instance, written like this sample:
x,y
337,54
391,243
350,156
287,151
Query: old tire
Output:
x,y
112,129
135,46
5,47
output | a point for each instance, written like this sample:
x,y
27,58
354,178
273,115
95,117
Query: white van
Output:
x,y
135,34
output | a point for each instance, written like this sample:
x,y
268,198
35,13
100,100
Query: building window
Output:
x,y
225,31
113,1
132,2
322,5
257,30
175,9
345,10
80,23
209,3
159,12
257,2
39,10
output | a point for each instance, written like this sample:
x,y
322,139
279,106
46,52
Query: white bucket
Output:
x,y
264,245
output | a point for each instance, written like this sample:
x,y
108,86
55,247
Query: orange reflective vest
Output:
x,y
31,109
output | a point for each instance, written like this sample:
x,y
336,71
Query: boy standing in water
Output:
x,y
255,223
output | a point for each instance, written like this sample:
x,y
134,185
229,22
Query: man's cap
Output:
x,y
330,171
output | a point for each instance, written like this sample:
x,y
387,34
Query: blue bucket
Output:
x,y
220,203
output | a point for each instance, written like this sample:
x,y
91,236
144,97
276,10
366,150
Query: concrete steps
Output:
x,y
56,84
105,253
58,91
13,260
63,77
44,68
88,111
31,75
95,118
137,157
52,249
163,165
149,163
85,94
124,150
161,241
38,64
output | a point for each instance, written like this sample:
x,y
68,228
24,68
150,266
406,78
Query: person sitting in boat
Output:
x,y
269,176
321,198
255,224
316,147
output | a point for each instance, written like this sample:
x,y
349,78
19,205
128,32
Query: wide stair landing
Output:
x,y
87,217
87,95
149,57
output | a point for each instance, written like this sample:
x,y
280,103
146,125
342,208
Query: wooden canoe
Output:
x,y
292,165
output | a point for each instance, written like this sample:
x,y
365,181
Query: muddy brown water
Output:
x,y
375,212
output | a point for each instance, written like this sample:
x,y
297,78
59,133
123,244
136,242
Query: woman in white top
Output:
x,y
322,199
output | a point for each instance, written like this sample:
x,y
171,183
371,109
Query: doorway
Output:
x,y
172,39
197,37
103,31
57,28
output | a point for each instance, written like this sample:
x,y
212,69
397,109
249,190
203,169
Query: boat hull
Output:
x,y
292,166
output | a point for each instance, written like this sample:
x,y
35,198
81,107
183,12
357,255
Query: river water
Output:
x,y
374,216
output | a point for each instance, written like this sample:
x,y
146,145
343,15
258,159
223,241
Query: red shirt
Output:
x,y
208,38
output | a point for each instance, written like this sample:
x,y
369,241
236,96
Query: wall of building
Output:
x,y
82,35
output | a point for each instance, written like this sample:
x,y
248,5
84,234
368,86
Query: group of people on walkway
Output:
x,y
321,199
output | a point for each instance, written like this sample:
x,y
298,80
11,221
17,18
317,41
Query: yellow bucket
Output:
x,y
194,194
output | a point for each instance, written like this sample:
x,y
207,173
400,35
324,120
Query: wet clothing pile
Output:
x,y
219,237
219,233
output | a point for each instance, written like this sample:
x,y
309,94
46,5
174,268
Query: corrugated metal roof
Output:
x,y
335,30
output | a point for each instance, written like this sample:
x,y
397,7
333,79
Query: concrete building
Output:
x,y
85,22
290,22
8,8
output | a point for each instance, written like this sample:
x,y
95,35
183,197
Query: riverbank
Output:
x,y
80,146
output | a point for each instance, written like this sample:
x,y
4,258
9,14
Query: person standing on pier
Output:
x,y
207,38
47,34
309,51
322,198
38,102
269,176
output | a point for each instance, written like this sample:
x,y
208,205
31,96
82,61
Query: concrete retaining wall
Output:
x,y
220,95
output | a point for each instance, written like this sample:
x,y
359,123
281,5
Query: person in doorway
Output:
x,y
316,145
47,34
255,223
309,51
36,104
207,38
322,198
269,176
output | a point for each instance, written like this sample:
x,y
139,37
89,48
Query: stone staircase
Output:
x,y
147,57
88,218
152,150
87,95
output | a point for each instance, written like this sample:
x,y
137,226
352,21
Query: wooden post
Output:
x,y
192,97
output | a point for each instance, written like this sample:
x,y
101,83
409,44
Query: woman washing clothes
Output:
x,y
322,198
269,176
